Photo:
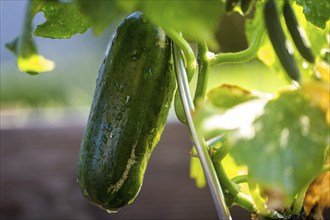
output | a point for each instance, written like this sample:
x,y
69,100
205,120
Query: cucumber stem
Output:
x,y
244,55
298,203
186,49
232,190
240,179
217,153
203,72
210,174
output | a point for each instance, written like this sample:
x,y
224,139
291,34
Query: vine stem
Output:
x,y
244,55
203,71
240,179
232,190
298,204
186,49
209,171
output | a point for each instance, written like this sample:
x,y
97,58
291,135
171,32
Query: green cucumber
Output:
x,y
230,5
279,41
246,6
297,33
132,98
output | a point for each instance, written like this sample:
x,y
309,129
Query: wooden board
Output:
x,y
38,179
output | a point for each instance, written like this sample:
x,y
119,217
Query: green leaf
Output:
x,y
218,101
227,96
62,21
197,20
28,59
196,170
102,13
287,145
316,12
228,108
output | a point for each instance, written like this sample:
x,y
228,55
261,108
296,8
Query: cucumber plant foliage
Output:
x,y
270,149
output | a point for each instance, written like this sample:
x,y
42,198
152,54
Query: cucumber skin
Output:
x,y
298,39
278,40
246,6
131,102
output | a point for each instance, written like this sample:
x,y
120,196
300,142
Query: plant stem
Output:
x,y
244,55
213,170
209,171
203,72
240,179
298,203
220,153
201,87
186,49
232,190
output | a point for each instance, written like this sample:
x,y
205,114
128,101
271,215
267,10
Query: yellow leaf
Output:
x,y
266,54
35,64
318,194
196,170
319,93
323,70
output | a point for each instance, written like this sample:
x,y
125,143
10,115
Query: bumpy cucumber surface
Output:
x,y
131,102
297,33
279,41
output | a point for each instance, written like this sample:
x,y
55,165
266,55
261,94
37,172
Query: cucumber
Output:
x,y
278,40
297,33
132,98
246,6
230,5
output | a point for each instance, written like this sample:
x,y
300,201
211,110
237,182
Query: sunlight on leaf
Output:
x,y
289,123
228,107
221,100
28,59
233,169
323,71
239,118
266,54
319,93
196,170
35,64
226,96
266,133
229,164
